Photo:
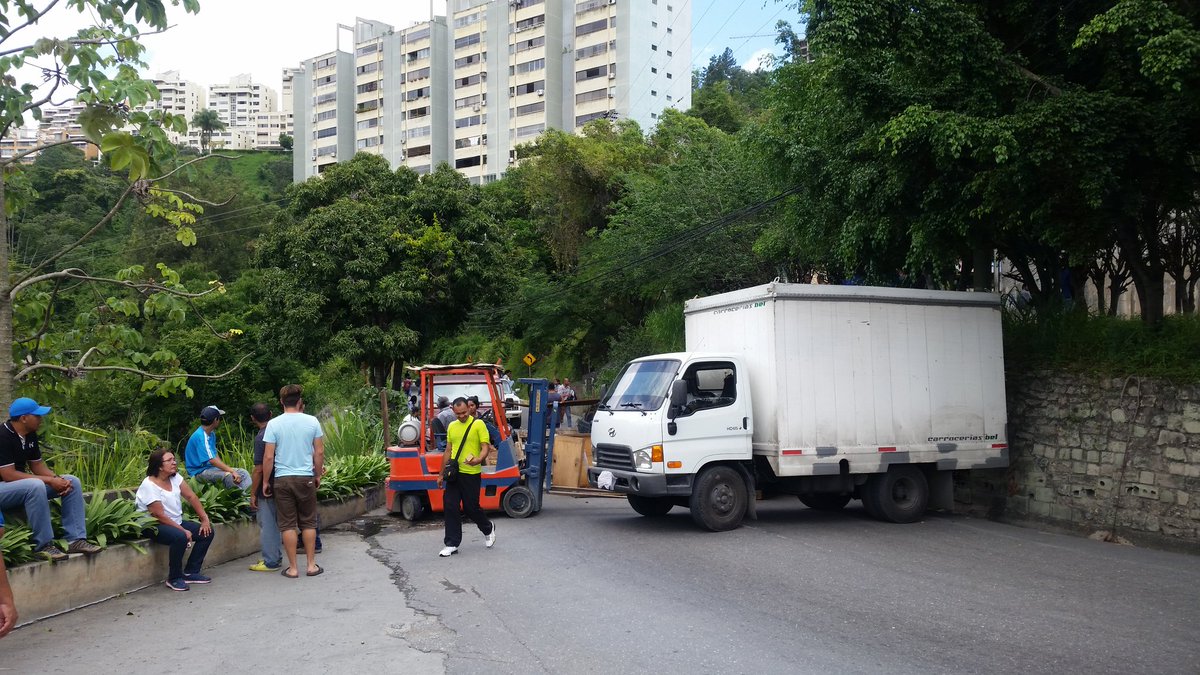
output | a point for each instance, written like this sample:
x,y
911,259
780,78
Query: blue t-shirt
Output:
x,y
200,451
293,435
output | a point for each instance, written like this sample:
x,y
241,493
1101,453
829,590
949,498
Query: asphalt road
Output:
x,y
587,586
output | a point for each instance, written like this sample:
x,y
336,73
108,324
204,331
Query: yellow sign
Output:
x,y
529,359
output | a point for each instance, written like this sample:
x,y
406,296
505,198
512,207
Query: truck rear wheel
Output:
x,y
898,496
825,502
718,499
651,507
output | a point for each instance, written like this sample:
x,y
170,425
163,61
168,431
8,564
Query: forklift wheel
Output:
x,y
517,502
411,508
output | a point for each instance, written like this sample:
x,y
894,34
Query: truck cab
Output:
x,y
667,419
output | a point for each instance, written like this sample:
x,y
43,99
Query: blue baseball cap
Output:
x,y
27,406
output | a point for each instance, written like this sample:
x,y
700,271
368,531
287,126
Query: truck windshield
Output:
x,y
643,385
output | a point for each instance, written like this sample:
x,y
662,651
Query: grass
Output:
x,y
1103,346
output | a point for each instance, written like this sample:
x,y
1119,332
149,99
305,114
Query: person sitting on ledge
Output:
x,y
26,482
161,494
200,455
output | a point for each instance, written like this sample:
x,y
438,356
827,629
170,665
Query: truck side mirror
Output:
x,y
678,399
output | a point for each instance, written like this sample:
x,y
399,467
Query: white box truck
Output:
x,y
828,393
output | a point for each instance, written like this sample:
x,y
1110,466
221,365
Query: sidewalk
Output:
x,y
351,617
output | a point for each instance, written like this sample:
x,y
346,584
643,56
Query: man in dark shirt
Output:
x,y
269,539
26,481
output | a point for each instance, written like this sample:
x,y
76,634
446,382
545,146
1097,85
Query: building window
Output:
x,y
591,73
532,22
370,86
322,81
470,80
591,27
417,34
469,101
467,20
654,24
466,162
466,41
326,133
368,49
584,119
470,141
653,69
418,55
472,120
531,108
469,59
531,130
419,74
419,132
368,124
415,113
526,45
588,96
589,5
420,151
527,88
325,115
653,48
367,105
653,92
529,66
594,50
414,94
367,68
670,53
670,76
326,98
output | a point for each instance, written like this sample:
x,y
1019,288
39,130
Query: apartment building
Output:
x,y
468,88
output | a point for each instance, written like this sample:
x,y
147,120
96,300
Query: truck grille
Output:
x,y
614,457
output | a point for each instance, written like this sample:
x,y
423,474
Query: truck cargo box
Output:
x,y
851,378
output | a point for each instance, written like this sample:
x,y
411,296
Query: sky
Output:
x,y
261,37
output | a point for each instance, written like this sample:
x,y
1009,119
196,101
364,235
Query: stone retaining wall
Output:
x,y
44,589
1114,458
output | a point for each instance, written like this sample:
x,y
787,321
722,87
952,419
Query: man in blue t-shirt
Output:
x,y
200,456
295,453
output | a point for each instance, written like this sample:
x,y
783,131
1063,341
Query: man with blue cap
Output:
x,y
26,481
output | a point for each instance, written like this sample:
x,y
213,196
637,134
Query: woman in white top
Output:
x,y
161,494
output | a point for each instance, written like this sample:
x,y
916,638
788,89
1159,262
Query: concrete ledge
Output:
x,y
44,589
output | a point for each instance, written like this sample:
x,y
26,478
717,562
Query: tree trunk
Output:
x,y
1097,277
7,368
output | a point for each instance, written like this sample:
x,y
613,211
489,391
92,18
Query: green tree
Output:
x,y
208,122
926,140
100,63
369,264
285,141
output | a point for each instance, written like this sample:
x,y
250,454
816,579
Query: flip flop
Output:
x,y
320,570
289,576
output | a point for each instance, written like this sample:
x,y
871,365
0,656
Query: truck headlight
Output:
x,y
641,459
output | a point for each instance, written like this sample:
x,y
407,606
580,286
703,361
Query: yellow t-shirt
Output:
x,y
471,448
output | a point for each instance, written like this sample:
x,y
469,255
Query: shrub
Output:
x,y
17,544
222,504
110,521
348,476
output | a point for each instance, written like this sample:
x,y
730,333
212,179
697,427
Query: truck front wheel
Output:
x,y
651,507
899,496
718,499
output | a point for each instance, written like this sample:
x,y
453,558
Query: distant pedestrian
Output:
x,y
474,411
295,455
441,422
202,460
161,494
568,395
468,447
269,538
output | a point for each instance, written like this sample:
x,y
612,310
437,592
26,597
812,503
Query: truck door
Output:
x,y
714,423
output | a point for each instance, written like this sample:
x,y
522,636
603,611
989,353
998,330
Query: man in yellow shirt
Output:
x,y
466,443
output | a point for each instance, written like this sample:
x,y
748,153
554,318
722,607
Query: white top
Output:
x,y
148,493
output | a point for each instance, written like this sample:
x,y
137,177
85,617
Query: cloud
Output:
x,y
760,60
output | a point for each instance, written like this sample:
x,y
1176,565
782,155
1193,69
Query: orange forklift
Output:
x,y
516,487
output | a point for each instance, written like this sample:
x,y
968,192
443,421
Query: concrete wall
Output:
x,y
43,589
1115,458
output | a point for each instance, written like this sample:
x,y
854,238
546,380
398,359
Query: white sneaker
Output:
x,y
489,540
448,551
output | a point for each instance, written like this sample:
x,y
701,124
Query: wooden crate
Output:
x,y
572,457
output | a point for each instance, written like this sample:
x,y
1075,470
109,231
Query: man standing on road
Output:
x,y
467,443
26,481
295,455
568,394
269,538
201,458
